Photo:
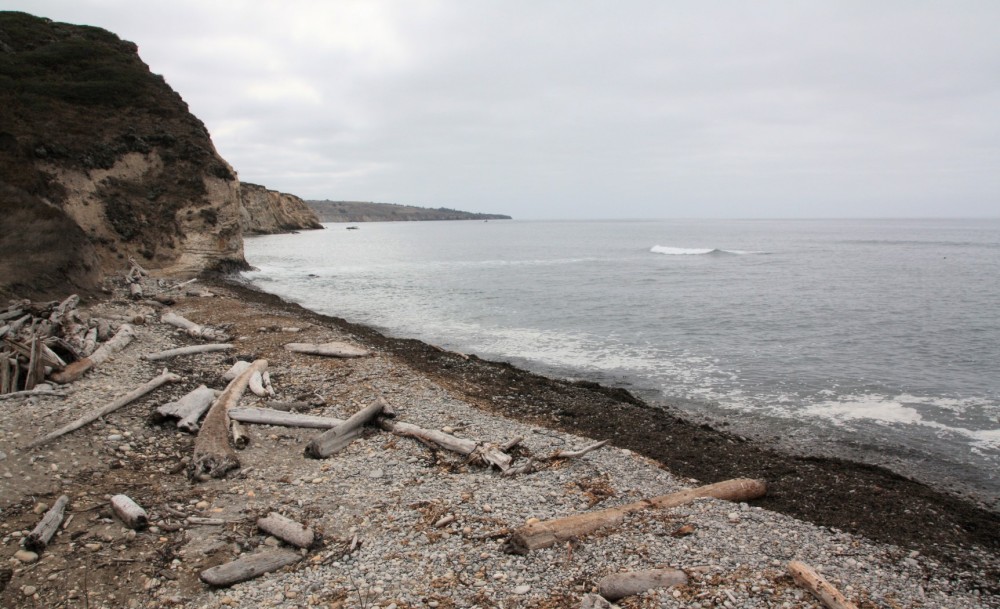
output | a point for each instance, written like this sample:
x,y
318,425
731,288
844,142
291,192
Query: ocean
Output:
x,y
874,340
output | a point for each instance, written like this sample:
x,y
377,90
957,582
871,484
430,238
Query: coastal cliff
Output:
x,y
269,211
359,211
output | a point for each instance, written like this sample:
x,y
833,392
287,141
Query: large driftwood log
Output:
x,y
476,451
620,585
169,353
288,530
135,394
119,341
189,408
335,439
268,416
192,329
333,349
213,455
806,577
238,368
249,567
42,534
550,532
130,512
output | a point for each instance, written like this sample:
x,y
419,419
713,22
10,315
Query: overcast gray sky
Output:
x,y
579,109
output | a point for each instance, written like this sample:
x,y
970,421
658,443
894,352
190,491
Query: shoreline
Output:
x,y
818,489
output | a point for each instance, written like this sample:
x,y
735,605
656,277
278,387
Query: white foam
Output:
x,y
689,251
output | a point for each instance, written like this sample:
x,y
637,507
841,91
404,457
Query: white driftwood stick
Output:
x,y
266,382
193,329
806,577
241,439
334,349
269,416
179,285
119,341
42,534
213,456
238,368
249,567
620,585
135,394
90,342
476,451
572,454
287,530
256,385
169,353
550,532
47,393
333,440
189,408
129,512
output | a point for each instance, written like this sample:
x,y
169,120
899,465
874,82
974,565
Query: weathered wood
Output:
x,y
287,530
213,455
572,454
7,387
620,585
192,329
89,342
189,408
238,368
135,394
476,451
241,438
334,349
823,590
333,440
119,341
550,532
135,290
43,532
48,357
36,372
130,512
256,385
249,567
36,392
179,285
193,349
268,416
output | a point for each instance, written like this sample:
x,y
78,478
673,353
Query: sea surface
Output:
x,y
876,340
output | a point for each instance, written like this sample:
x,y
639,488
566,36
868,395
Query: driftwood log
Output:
x,y
334,349
336,439
812,581
249,567
36,392
135,394
260,384
550,532
192,329
42,534
287,530
241,438
193,349
476,451
129,512
238,368
269,416
213,455
620,585
189,408
116,343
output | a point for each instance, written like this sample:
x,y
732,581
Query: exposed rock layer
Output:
x,y
269,211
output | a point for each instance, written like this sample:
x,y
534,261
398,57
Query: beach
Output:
x,y
407,525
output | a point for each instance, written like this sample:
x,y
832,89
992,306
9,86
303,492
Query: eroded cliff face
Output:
x,y
89,136
269,211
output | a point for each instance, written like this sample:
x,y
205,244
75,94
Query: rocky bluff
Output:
x,y
101,160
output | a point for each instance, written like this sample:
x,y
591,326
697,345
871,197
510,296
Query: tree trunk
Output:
x,y
335,439
46,529
286,529
806,577
549,532
249,567
169,353
268,416
119,341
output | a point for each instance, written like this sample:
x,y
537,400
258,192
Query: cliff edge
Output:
x,y
269,211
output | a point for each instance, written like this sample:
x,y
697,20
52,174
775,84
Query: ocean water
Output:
x,y
877,340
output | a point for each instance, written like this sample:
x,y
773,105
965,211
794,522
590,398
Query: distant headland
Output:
x,y
359,211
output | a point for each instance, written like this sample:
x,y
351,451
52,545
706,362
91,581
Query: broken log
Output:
x,y
179,285
189,408
213,455
476,451
192,329
287,530
129,512
249,567
169,353
812,581
89,342
135,290
256,385
43,532
620,585
241,439
550,532
335,439
135,394
268,416
36,371
119,341
334,349
238,368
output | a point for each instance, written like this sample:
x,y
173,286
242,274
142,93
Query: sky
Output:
x,y
583,109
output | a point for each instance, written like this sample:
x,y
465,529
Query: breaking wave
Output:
x,y
687,251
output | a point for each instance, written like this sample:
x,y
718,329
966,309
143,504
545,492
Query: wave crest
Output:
x,y
687,251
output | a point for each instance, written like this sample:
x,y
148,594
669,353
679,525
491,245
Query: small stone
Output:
x,y
29,590
522,589
272,542
734,517
376,473
26,556
40,508
291,594
448,429
93,547
115,437
487,508
201,505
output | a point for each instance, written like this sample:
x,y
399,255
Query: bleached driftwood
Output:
x,y
192,329
116,343
189,408
573,454
135,290
268,416
238,368
249,567
335,439
260,384
334,349
179,285
620,585
89,342
241,439
46,393
549,532
129,512
476,451
36,367
43,532
287,530
812,581
193,349
213,456
135,394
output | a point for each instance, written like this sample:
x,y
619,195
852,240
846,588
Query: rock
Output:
x,y
26,556
593,601
29,590
522,590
